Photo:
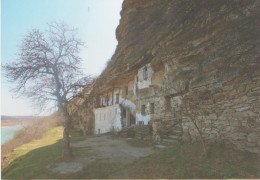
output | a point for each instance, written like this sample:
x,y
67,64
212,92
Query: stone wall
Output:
x,y
230,112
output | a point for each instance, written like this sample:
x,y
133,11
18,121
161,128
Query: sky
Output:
x,y
96,21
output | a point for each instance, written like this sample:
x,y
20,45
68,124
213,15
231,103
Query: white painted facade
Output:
x,y
144,118
107,119
128,104
108,116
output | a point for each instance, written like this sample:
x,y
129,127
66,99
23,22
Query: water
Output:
x,y
8,133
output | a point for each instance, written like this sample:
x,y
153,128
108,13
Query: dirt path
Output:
x,y
105,149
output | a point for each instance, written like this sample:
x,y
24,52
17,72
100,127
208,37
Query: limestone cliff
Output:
x,y
209,51
186,32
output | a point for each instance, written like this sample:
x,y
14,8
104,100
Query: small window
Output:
x,y
143,109
124,112
98,101
126,90
145,74
168,103
117,98
152,108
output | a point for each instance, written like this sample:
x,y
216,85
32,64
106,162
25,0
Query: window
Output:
x,y
126,90
168,103
97,101
107,100
143,109
152,108
117,98
124,112
145,73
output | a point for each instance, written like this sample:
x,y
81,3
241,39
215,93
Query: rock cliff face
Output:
x,y
209,53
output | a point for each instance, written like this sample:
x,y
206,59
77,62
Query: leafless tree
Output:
x,y
191,110
49,69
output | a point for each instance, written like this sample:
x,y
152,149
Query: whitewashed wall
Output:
x,y
108,118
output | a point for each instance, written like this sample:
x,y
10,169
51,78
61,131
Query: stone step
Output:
x,y
167,119
159,146
170,141
176,133
176,128
167,114
178,125
174,137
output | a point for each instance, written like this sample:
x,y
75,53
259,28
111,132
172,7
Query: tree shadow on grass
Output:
x,y
38,163
34,163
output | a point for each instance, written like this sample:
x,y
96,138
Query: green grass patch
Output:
x,y
183,160
98,170
188,161
32,158
138,143
77,136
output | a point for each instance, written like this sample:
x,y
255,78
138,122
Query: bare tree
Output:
x,y
48,69
191,110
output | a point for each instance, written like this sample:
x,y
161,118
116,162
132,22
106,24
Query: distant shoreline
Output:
x,y
8,123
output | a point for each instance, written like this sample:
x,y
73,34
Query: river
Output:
x,y
7,133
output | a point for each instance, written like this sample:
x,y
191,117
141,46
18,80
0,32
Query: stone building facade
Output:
x,y
197,61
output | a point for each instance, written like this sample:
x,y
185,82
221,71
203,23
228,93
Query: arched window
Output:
x,y
145,73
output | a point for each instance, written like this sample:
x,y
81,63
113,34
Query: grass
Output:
x,y
183,160
188,161
35,131
138,143
32,158
98,170
76,136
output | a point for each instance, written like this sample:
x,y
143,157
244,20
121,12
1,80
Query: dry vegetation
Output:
x,y
27,134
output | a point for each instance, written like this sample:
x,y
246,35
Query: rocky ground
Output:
x,y
107,149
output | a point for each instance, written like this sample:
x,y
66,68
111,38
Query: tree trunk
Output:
x,y
193,120
66,150
201,137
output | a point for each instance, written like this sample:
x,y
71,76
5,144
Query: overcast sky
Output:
x,y
96,20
